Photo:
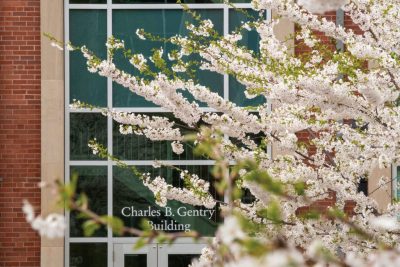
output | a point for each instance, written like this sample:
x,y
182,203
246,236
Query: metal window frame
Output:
x,y
395,176
109,7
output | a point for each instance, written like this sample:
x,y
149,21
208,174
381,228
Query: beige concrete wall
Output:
x,y
383,196
52,121
284,32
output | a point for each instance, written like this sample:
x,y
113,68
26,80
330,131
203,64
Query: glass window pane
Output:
x,y
239,1
133,202
251,38
87,27
92,181
168,23
398,182
87,1
181,260
139,147
88,254
164,1
237,96
251,41
84,127
135,260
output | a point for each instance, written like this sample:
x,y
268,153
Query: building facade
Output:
x,y
43,139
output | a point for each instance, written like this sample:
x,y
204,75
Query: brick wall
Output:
x,y
305,136
19,129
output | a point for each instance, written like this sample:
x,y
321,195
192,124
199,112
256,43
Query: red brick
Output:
x,y
20,129
305,136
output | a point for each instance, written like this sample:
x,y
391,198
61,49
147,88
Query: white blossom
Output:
x,y
139,33
230,231
321,6
177,147
57,45
385,223
52,226
332,122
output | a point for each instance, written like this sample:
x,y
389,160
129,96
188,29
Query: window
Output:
x,y
396,182
113,190
363,186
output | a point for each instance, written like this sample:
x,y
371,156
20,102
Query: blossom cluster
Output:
x,y
197,194
349,112
53,226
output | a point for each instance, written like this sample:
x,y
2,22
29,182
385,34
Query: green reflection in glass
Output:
x,y
87,27
164,23
251,41
88,255
92,181
139,147
84,127
136,260
239,1
133,202
164,1
87,1
181,260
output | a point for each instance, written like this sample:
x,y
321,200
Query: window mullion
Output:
x,y
110,248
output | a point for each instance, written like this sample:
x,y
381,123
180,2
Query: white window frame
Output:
x,y
109,7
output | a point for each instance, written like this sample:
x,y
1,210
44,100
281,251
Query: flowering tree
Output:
x,y
317,91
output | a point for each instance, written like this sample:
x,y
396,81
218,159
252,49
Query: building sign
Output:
x,y
170,219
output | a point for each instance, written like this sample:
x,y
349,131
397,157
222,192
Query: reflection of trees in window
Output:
x,y
87,1
164,1
129,191
88,254
169,23
138,147
182,260
84,127
93,182
87,27
250,39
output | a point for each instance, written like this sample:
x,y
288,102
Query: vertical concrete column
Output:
x,y
284,31
384,195
52,118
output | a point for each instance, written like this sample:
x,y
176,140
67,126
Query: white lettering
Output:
x,y
123,212
183,211
168,212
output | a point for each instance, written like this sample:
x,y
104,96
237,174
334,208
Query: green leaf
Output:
x,y
89,227
141,242
254,247
161,238
145,225
336,213
70,189
265,181
82,201
116,224
272,212
300,188
310,215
